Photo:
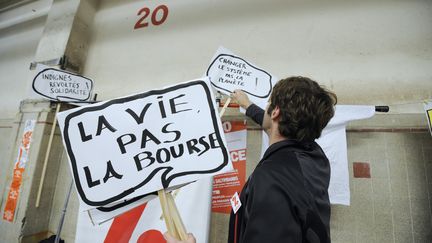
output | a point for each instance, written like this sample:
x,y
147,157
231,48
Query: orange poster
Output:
x,y
227,184
20,163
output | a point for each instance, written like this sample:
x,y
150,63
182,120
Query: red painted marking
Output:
x,y
151,236
362,170
124,225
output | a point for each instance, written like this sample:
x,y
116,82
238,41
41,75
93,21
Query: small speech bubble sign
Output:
x,y
135,145
228,72
61,85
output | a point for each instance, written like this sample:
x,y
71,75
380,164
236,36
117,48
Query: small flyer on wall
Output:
x,y
227,184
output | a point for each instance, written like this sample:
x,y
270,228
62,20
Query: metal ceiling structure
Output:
x,y
13,13
9,4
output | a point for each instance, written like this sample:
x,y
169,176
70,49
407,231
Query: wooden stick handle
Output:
x,y
42,179
227,102
166,213
174,194
178,223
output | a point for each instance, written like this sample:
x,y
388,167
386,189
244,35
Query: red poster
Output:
x,y
227,184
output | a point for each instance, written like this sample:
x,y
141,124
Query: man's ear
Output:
x,y
275,113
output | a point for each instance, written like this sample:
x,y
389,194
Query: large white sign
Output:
x,y
228,72
60,85
132,146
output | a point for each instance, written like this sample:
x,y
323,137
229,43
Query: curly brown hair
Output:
x,y
305,107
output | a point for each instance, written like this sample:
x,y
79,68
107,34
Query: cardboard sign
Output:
x,y
132,146
60,85
228,72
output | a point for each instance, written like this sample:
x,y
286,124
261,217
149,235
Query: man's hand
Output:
x,y
241,98
170,239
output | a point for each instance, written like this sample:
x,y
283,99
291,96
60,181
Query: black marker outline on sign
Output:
x,y
125,203
132,200
270,79
57,97
428,117
165,181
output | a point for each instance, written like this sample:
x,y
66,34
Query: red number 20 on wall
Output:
x,y
157,16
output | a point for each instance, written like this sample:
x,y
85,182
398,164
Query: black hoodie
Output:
x,y
285,199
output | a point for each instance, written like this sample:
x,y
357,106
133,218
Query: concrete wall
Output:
x,y
368,52
17,49
18,45
394,205
28,219
5,149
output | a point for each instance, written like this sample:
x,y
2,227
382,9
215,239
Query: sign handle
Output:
x,y
166,213
47,156
227,102
174,194
178,223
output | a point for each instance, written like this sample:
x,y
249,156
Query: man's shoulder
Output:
x,y
281,168
295,155
284,157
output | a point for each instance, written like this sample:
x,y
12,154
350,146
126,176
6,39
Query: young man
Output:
x,y
285,199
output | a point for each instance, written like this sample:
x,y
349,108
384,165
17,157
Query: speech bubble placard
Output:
x,y
135,145
228,72
61,85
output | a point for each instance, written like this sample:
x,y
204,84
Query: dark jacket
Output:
x,y
285,199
